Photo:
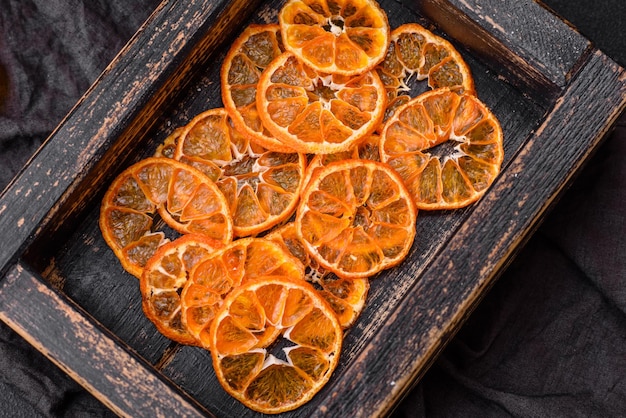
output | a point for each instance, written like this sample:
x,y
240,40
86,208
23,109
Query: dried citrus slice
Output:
x,y
366,149
346,296
214,277
446,147
356,218
184,198
261,186
291,371
341,36
317,113
416,51
241,69
164,277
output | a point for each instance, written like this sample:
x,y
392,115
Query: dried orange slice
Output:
x,y
163,278
241,69
261,186
341,36
316,113
356,218
366,149
446,147
416,51
291,371
213,278
346,296
184,198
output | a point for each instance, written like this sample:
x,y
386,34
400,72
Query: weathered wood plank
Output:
x,y
160,81
531,47
87,352
453,283
85,270
190,367
120,105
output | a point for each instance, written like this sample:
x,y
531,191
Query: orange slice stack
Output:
x,y
226,269
295,195
262,378
346,297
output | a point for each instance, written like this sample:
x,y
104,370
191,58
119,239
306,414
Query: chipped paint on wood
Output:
x,y
96,360
550,129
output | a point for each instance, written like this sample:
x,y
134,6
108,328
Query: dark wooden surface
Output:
x,y
555,96
88,352
530,46
110,121
456,279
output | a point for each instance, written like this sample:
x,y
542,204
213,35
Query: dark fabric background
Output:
x,y
548,340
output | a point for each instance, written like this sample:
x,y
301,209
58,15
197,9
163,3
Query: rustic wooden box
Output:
x,y
62,289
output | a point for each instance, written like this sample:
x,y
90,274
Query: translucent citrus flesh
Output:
x,y
356,218
261,186
249,55
317,113
214,277
458,178
329,83
185,198
163,278
414,51
366,149
346,297
341,37
168,148
270,380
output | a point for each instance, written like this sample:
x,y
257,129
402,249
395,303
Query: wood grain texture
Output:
x,y
92,276
87,272
531,47
454,282
121,104
554,96
94,358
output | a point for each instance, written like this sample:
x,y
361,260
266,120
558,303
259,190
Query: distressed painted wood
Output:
x,y
532,47
109,120
555,96
96,359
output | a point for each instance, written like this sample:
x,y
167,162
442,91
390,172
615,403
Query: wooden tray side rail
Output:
x,y
530,46
87,352
450,287
578,91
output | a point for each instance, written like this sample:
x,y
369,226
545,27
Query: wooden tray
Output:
x,y
63,290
